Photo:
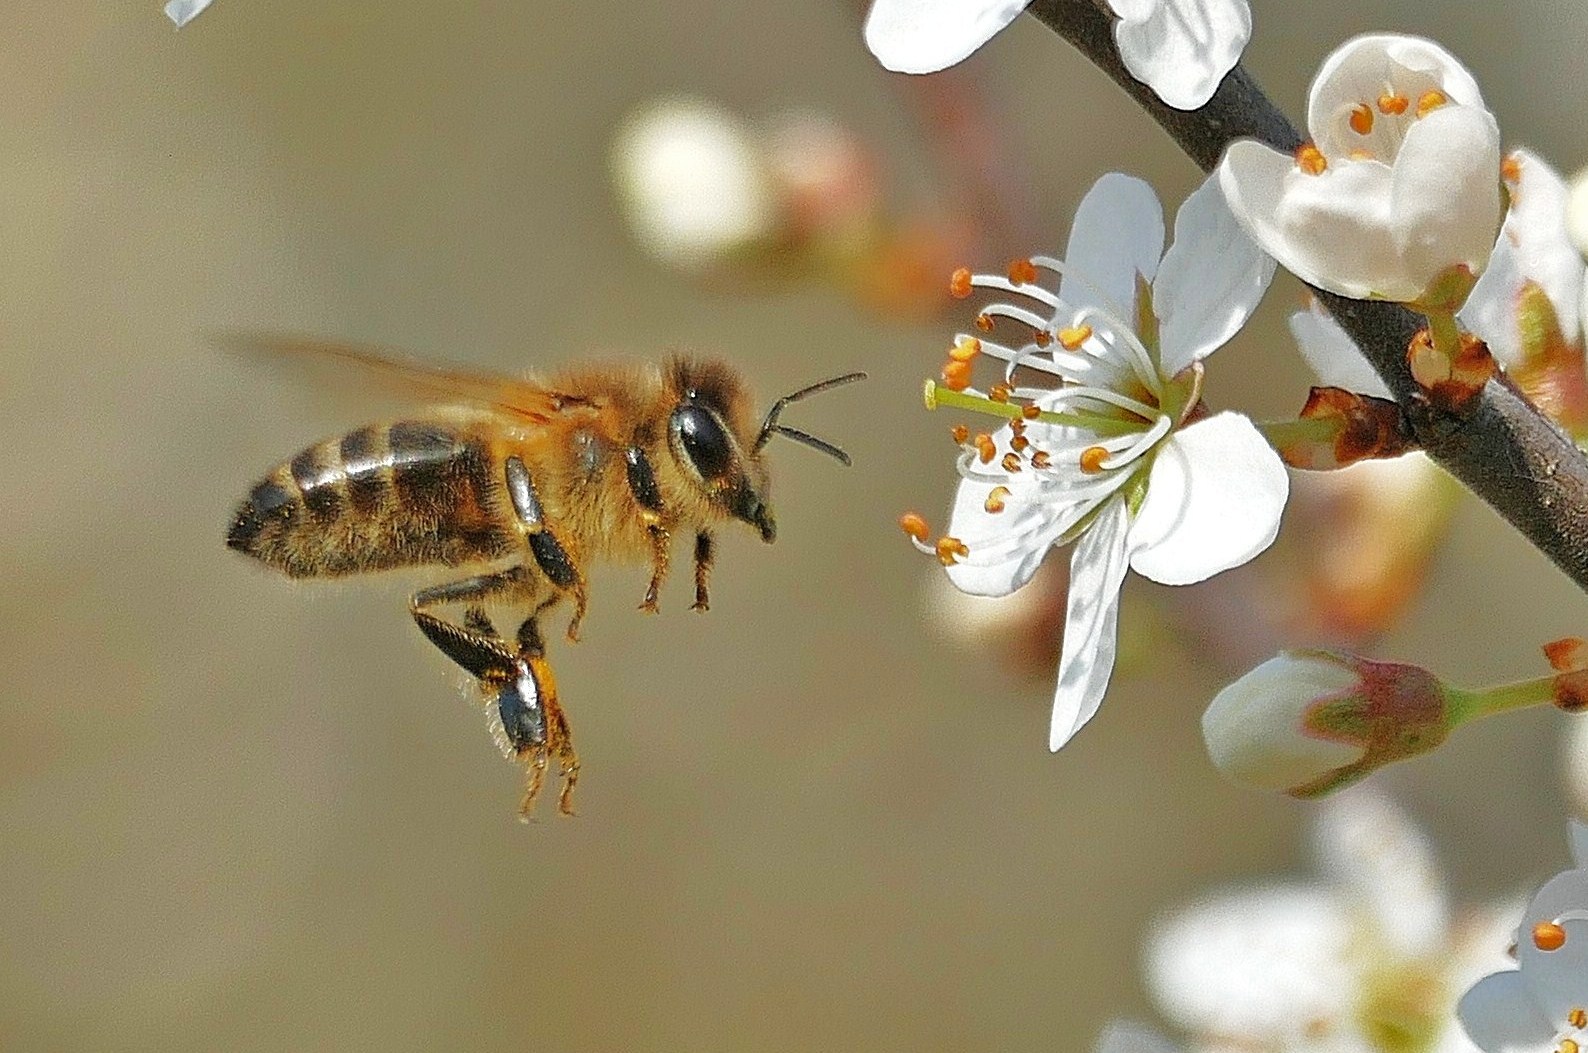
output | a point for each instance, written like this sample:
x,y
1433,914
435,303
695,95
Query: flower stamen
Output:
x,y
1548,936
951,550
959,283
1362,118
1430,101
1310,159
1092,459
1022,272
995,499
914,525
1072,338
1392,105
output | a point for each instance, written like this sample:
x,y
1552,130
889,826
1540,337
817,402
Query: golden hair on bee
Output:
x,y
516,486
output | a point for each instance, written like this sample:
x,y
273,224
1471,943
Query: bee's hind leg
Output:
x,y
516,680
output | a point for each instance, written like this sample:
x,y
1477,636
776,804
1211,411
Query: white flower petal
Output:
x,y
1579,843
1533,246
1181,49
1386,863
1210,280
1117,236
1330,230
1562,894
1491,307
1358,72
1332,354
1007,547
1214,500
1127,1036
1258,965
1499,1016
1577,211
184,11
924,36
1091,620
1445,197
1557,981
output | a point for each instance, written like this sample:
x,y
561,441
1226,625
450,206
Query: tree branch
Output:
x,y
1499,445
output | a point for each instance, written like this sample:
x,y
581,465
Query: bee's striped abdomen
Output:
x,y
402,494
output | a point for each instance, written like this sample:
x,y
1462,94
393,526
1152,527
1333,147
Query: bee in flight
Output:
x,y
518,486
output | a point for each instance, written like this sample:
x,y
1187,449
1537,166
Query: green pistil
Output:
x,y
936,396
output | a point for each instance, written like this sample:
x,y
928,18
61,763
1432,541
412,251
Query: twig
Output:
x,y
1499,445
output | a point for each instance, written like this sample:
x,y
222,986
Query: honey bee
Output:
x,y
518,486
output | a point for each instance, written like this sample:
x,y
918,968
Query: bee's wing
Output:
x,y
430,382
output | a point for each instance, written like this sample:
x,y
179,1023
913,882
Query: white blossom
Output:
x,y
1399,184
691,177
1125,463
1180,48
1542,1005
1534,252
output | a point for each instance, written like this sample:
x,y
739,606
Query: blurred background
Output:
x,y
238,813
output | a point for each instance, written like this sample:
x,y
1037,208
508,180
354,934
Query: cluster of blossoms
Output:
x,y
1370,955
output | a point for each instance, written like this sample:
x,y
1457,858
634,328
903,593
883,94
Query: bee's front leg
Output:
x,y
661,551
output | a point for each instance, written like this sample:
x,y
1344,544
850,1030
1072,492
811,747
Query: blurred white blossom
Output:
x,y
1399,184
1542,1005
1181,49
691,179
1364,959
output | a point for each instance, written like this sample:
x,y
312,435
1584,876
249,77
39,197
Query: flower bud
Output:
x,y
1310,722
693,183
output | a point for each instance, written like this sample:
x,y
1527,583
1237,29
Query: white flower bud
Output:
x,y
693,182
1311,722
1253,729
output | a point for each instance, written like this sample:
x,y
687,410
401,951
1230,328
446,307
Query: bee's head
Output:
x,y
717,444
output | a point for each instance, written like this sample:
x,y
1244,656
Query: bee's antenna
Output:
x,y
771,427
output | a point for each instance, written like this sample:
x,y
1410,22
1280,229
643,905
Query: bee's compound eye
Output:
x,y
703,440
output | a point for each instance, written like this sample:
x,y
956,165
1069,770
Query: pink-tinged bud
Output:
x,y
1310,722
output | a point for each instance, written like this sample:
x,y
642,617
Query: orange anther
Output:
x,y
956,375
1578,1018
965,349
1361,118
1018,443
914,525
1042,338
1310,159
961,434
950,550
1018,426
984,322
1429,101
959,283
1072,339
1022,272
1092,459
1031,412
1568,1045
1547,936
1393,104
998,392
995,499
1511,171
1359,154
986,449
1567,654
1040,459
1010,463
